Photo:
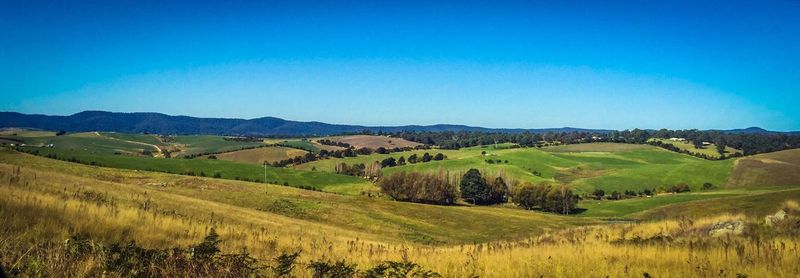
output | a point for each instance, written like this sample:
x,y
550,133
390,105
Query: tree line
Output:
x,y
749,143
412,159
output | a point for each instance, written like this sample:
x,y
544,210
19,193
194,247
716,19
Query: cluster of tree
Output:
x,y
429,188
373,170
598,194
413,158
497,161
243,139
552,198
333,143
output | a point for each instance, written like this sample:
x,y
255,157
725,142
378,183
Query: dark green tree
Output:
x,y
388,162
473,187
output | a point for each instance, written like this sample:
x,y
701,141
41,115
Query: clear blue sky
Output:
x,y
646,64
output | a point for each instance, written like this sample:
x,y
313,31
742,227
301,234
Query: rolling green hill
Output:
x,y
607,166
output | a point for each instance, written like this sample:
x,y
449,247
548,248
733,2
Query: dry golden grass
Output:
x,y
48,204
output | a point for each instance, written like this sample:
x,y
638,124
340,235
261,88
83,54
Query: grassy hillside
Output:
x,y
770,169
198,144
756,203
143,138
259,155
303,144
89,142
586,167
381,217
208,167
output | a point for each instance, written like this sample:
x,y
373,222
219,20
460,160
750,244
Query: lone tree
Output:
x,y
473,188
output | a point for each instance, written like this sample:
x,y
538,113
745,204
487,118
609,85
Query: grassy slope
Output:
x,y
143,138
770,169
88,142
382,218
196,144
303,144
227,169
756,203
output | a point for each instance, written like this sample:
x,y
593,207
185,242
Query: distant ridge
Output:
x,y
157,123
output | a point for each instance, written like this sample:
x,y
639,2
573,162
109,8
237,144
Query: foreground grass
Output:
x,y
43,200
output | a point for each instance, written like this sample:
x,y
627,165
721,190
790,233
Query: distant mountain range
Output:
x,y
157,123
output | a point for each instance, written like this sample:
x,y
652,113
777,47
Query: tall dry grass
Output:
x,y
40,209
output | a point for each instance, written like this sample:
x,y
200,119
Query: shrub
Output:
x,y
284,264
340,269
399,269
598,194
679,188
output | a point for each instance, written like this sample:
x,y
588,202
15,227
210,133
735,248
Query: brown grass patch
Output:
x,y
770,169
374,142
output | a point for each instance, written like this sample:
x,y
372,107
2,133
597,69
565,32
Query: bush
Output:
x,y
679,188
340,269
399,269
598,194
284,264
